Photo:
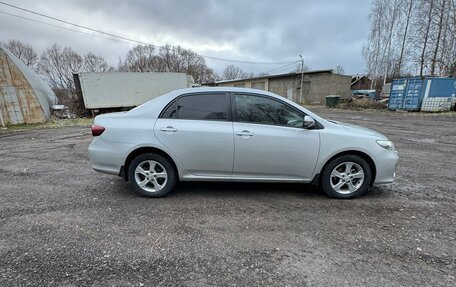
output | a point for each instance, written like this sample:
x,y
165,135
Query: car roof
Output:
x,y
220,89
227,90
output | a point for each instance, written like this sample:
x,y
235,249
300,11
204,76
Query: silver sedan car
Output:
x,y
236,134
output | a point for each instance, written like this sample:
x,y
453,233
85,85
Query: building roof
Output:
x,y
357,78
273,76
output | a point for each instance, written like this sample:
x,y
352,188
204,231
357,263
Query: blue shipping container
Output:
x,y
413,95
440,87
397,92
408,94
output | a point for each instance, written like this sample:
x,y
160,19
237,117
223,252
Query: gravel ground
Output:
x,y
62,224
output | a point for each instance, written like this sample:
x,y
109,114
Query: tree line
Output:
x,y
58,64
411,38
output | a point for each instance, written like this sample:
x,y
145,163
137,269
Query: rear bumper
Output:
x,y
107,157
386,166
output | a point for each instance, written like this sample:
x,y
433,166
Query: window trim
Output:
x,y
235,114
231,112
229,115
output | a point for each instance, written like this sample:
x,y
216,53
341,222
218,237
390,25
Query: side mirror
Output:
x,y
309,122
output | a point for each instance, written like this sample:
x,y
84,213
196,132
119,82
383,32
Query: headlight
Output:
x,y
386,144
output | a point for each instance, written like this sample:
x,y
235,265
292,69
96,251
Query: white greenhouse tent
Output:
x,y
24,97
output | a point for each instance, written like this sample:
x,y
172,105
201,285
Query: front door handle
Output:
x,y
245,134
169,129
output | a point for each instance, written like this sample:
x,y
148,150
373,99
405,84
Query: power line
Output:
x,y
122,37
73,24
244,62
61,27
284,66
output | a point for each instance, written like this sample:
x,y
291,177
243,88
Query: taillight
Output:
x,y
97,130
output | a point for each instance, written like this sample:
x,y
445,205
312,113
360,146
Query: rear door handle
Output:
x,y
245,134
169,129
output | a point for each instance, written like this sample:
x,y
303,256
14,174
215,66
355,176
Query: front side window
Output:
x,y
198,107
262,110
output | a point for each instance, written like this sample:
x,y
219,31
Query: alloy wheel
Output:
x,y
151,176
347,177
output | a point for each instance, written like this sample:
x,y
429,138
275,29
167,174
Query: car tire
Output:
x,y
346,176
152,175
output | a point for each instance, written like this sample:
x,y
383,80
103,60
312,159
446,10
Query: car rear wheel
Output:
x,y
346,177
152,175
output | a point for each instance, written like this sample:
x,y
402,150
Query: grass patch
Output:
x,y
362,104
51,124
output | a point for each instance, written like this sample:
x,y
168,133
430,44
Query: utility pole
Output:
x,y
302,78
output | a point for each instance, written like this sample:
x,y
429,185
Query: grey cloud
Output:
x,y
326,33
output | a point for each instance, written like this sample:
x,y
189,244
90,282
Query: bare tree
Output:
x,y
233,72
452,70
141,58
447,59
58,65
439,34
411,37
444,58
391,27
201,73
373,51
339,70
426,35
262,74
23,51
179,60
404,37
167,59
93,63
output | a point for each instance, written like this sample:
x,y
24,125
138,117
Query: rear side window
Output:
x,y
171,111
198,107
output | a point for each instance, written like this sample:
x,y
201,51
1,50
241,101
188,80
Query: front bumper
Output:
x,y
386,166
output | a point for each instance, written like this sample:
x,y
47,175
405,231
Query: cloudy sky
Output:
x,y
326,32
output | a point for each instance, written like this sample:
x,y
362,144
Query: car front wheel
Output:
x,y
152,175
346,177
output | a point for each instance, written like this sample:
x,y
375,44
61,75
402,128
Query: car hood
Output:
x,y
360,130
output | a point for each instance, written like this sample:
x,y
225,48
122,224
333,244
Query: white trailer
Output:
x,y
126,90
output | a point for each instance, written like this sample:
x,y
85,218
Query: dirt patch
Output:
x,y
63,224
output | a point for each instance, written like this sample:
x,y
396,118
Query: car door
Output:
x,y
198,130
270,141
